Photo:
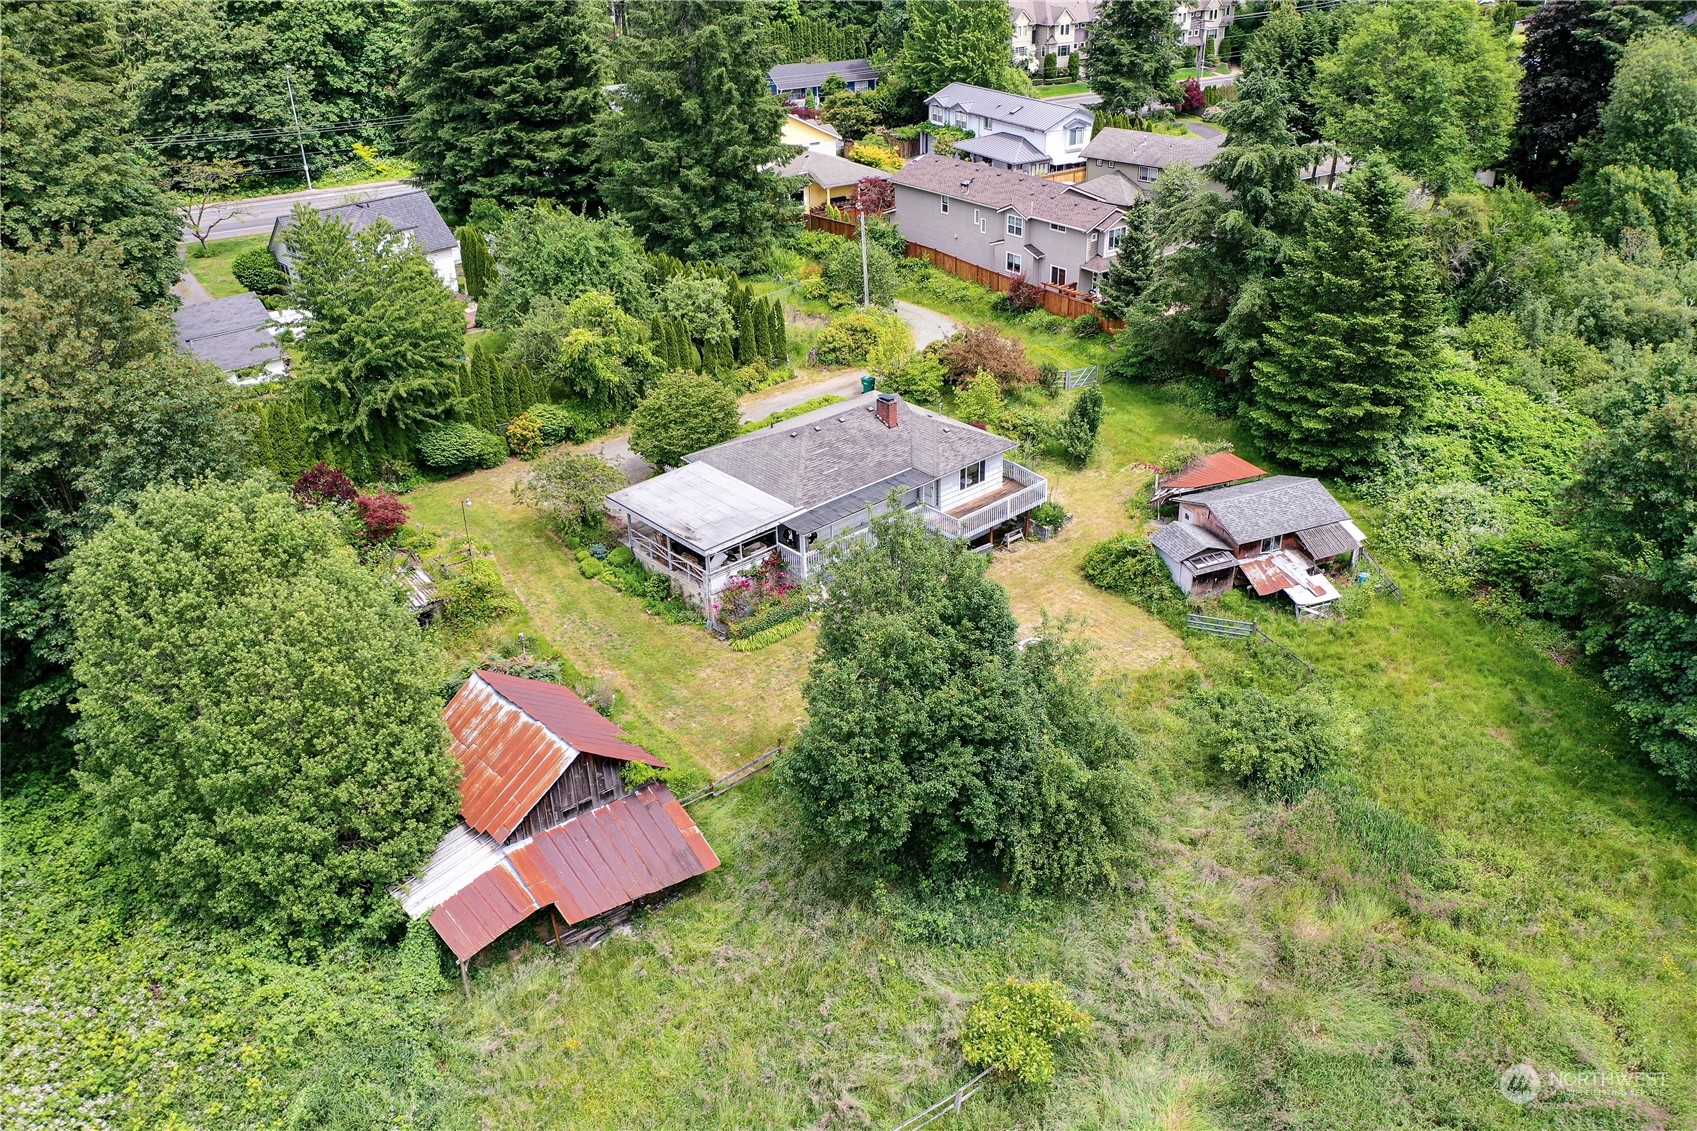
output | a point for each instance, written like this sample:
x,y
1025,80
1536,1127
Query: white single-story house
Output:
x,y
798,486
413,214
1273,534
796,81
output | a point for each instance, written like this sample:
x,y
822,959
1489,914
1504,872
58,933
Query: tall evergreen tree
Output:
x,y
780,334
506,96
1290,43
1134,265
1570,54
1134,50
747,347
483,384
475,257
762,331
953,41
1349,353
688,157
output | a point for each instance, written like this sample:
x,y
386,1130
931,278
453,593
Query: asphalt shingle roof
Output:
x,y
829,170
806,76
1047,13
1009,148
1000,106
1279,504
228,332
842,448
411,212
1157,151
1182,541
999,189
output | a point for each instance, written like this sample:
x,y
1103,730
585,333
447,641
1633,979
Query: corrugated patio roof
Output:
x,y
1212,471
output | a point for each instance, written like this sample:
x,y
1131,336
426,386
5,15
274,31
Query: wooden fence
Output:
x,y
735,778
948,1105
1245,630
1071,176
818,223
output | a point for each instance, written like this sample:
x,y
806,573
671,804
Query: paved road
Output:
x,y
257,215
927,325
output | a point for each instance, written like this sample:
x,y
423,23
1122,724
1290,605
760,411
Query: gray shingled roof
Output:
x,y
805,76
829,170
1157,151
408,211
842,448
1182,541
1047,13
228,332
999,189
1000,106
1010,148
1279,504
1115,188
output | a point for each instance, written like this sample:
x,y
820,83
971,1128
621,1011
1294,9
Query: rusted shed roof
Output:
x,y
1211,471
569,717
1266,576
514,738
612,854
483,911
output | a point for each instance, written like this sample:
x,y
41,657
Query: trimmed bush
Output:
x,y
769,636
1276,745
258,271
590,568
1014,1026
460,446
865,336
620,557
524,436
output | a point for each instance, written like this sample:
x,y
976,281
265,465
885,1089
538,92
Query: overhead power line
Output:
x,y
158,140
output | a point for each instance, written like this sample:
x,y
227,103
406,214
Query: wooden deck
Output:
x,y
1008,487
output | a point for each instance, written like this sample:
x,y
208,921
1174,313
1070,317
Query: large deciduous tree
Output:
x,y
588,351
69,168
383,349
99,404
1570,54
935,745
1641,163
689,153
953,41
1430,85
258,717
505,97
1350,348
684,412
548,252
1134,50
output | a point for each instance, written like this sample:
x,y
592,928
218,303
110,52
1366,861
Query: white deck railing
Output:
x,y
996,511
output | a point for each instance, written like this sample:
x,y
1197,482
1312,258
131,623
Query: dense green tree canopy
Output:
x,y
99,404
949,41
1641,163
1430,85
1291,42
210,73
551,252
684,412
1570,54
505,97
587,350
1134,50
382,354
69,168
936,745
259,721
688,156
1350,348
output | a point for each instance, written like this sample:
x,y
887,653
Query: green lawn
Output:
x,y
1061,90
213,271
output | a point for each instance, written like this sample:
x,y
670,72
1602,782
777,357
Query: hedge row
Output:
x,y
770,636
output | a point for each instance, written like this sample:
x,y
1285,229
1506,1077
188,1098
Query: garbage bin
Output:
x,y
1361,578
868,383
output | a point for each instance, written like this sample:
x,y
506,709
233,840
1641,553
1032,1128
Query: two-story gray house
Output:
x,y
1009,222
1122,165
802,484
1011,131
1048,27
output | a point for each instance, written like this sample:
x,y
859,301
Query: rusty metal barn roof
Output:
x,y
514,738
596,861
1211,471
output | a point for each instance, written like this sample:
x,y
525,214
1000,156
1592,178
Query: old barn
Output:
x,y
547,821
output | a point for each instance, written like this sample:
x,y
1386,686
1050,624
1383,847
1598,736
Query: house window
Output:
x,y
1016,263
972,476
1268,545
1054,227
1146,174
945,206
1075,136
937,114
1058,276
1016,225
1115,235
1066,49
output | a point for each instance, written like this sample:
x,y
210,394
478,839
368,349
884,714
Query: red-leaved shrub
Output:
x,y
320,484
383,514
1194,99
1023,294
985,347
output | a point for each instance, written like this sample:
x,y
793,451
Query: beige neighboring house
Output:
x,y
1202,20
1048,27
1009,222
830,179
813,136
1121,166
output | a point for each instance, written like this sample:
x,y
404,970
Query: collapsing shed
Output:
x,y
547,818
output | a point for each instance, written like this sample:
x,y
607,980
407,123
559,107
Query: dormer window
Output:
x,y
1075,136
937,115
1016,224
1065,29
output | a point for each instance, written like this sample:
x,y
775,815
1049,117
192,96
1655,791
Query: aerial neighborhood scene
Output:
x,y
848,564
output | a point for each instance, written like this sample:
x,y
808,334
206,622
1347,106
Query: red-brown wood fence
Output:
x,y
1063,301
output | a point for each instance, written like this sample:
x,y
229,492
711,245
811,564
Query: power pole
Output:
x,y
865,275
289,78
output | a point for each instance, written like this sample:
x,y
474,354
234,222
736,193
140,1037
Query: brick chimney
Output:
x,y
885,407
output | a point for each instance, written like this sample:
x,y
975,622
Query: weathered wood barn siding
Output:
x,y
587,782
